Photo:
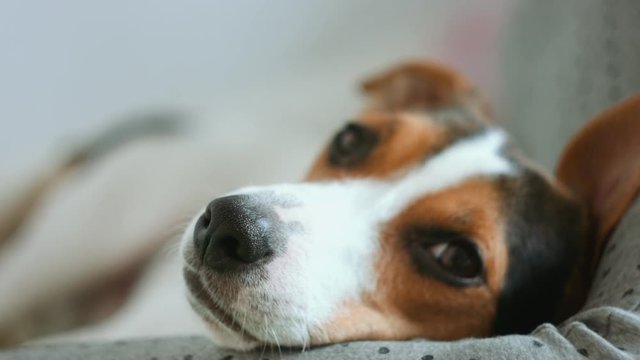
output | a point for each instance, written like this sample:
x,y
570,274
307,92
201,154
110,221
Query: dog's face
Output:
x,y
418,220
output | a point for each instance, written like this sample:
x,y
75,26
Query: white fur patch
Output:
x,y
475,156
330,260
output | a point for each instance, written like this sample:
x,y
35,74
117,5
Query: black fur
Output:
x,y
544,238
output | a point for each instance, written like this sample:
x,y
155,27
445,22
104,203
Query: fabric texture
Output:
x,y
564,63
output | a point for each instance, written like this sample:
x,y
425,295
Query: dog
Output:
x,y
419,219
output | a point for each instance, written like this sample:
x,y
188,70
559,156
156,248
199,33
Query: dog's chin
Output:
x,y
227,338
221,334
230,337
228,332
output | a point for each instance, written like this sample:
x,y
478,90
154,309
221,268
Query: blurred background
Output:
x,y
69,68
270,71
262,84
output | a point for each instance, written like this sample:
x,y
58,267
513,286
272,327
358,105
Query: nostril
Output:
x,y
228,246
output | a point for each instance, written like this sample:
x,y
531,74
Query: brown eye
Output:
x,y
447,256
352,145
457,259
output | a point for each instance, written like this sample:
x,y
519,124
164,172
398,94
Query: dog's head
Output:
x,y
419,219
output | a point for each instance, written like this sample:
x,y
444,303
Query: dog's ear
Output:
x,y
601,165
422,86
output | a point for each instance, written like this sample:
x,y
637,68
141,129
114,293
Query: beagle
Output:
x,y
419,219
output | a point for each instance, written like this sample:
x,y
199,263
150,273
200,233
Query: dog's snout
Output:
x,y
236,232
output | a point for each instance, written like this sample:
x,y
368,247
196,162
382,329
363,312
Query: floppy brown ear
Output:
x,y
422,85
601,165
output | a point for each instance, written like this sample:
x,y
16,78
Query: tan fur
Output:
x,y
601,165
405,140
421,85
406,304
16,211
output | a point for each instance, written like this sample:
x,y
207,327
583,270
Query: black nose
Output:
x,y
236,232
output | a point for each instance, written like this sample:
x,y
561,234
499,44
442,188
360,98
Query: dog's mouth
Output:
x,y
261,271
210,310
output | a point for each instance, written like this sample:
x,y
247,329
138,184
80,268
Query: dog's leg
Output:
x,y
89,236
18,201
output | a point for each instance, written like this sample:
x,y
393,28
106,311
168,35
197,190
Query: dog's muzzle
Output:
x,y
272,265
236,233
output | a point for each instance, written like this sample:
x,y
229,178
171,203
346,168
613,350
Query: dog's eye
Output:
x,y
352,145
451,258
458,260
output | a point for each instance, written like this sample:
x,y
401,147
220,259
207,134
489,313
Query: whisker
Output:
x,y
244,317
264,347
275,337
302,324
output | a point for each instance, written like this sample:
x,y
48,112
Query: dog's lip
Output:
x,y
220,315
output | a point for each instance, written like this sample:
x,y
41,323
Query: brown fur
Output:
x,y
421,85
405,140
601,165
410,110
418,109
406,304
